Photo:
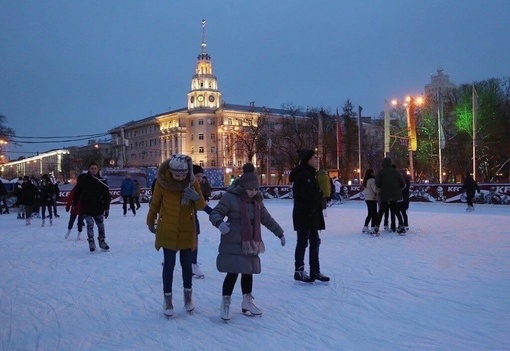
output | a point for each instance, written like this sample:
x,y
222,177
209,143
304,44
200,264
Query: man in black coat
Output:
x,y
307,216
390,183
93,194
470,186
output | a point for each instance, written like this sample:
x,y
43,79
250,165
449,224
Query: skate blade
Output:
x,y
198,276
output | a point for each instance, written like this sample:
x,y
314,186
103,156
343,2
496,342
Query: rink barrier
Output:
x,y
490,193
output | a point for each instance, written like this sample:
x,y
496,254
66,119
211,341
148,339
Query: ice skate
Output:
x,y
365,229
319,276
196,271
42,224
103,245
302,276
67,234
401,230
248,306
51,222
167,305
78,237
92,244
189,305
225,308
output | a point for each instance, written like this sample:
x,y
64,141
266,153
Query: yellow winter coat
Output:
x,y
175,227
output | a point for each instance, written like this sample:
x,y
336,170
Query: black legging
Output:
x,y
372,213
393,206
230,282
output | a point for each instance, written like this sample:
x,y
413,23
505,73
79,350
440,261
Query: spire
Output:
x,y
203,54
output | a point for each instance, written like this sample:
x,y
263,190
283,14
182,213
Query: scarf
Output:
x,y
251,237
166,181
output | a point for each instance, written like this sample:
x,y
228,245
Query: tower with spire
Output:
x,y
204,93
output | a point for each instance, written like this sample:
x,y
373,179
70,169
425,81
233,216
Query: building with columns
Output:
x,y
207,129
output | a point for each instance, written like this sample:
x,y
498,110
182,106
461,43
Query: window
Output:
x,y
201,150
229,121
239,122
213,136
213,163
212,122
200,136
191,137
200,122
192,150
191,123
213,149
201,163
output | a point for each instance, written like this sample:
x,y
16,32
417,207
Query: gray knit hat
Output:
x,y
180,164
249,179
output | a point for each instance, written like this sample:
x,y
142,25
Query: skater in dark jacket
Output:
x,y
403,206
470,186
390,183
28,196
93,197
307,216
46,193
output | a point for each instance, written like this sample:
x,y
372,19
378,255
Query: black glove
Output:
x,y
152,229
106,213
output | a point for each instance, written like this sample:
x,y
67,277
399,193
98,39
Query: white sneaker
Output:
x,y
79,236
365,229
196,271
248,305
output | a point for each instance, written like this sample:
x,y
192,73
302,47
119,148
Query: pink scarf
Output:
x,y
250,231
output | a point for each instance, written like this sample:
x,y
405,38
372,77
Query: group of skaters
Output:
x,y
388,190
238,216
34,197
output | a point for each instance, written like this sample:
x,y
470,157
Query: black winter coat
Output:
x,y
307,211
46,193
470,186
28,193
390,183
92,194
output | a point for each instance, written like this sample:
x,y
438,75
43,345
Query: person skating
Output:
x,y
136,195
3,199
175,198
198,172
403,206
28,196
92,194
55,198
241,240
370,191
390,183
307,216
470,186
127,191
46,194
74,213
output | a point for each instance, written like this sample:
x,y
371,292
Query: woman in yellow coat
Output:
x,y
172,218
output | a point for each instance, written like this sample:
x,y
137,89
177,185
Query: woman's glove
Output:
x,y
282,240
190,194
224,227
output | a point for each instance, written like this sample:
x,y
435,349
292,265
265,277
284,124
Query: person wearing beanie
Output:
x,y
92,195
241,240
46,198
470,186
198,172
307,216
171,218
390,183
